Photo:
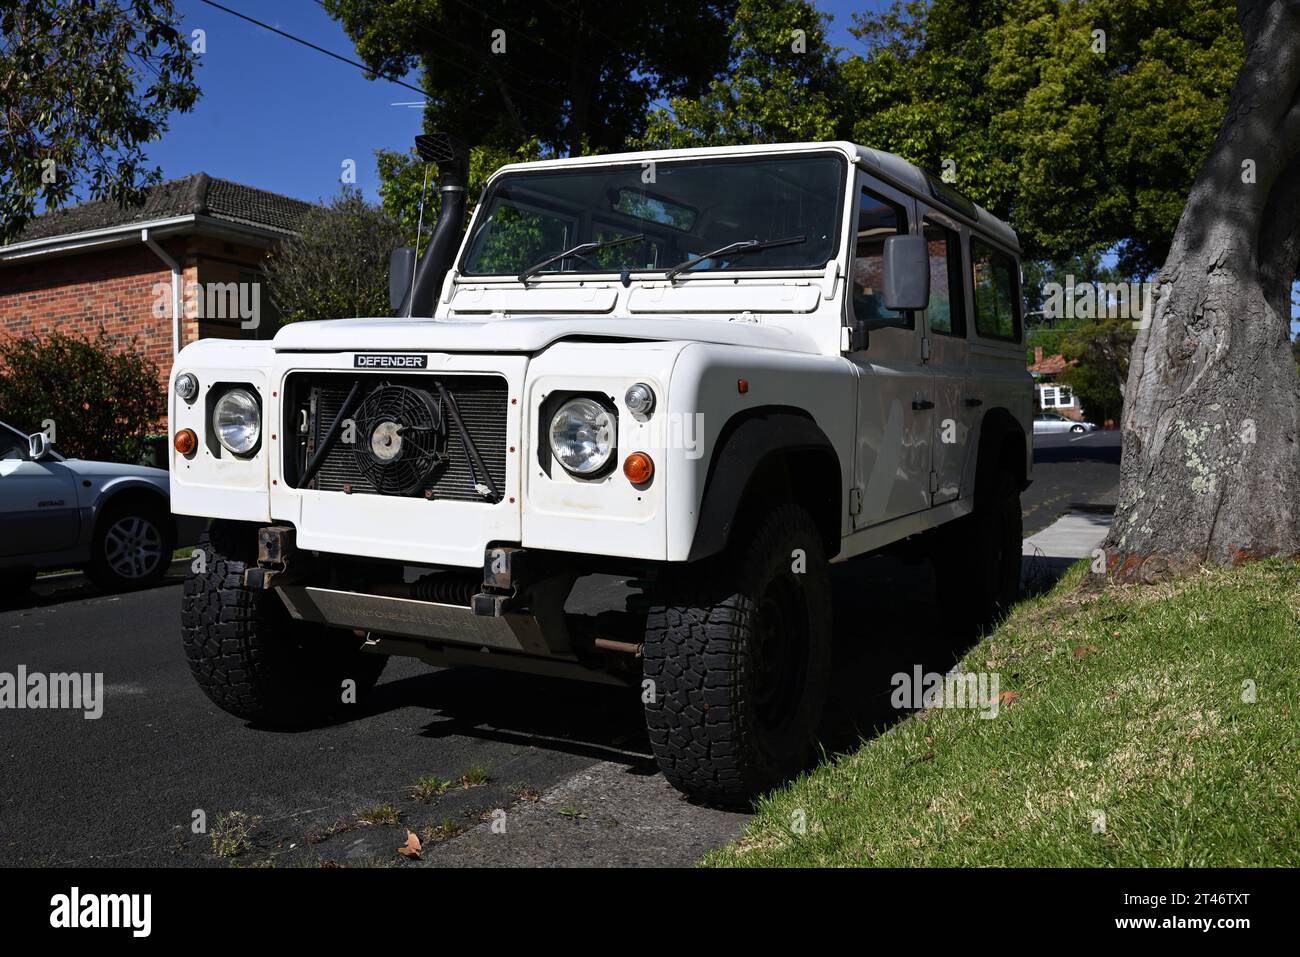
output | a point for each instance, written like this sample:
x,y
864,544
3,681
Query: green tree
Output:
x,y
83,85
780,85
102,399
1081,123
1099,353
578,75
337,267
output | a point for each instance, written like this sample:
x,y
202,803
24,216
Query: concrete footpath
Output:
x,y
1071,537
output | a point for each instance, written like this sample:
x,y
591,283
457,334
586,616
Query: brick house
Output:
x,y
1051,395
185,264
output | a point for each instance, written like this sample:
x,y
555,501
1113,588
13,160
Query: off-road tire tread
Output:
x,y
694,652
250,657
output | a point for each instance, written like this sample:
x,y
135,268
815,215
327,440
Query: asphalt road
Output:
x,y
1079,472
569,778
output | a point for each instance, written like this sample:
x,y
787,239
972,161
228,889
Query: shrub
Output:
x,y
337,267
102,400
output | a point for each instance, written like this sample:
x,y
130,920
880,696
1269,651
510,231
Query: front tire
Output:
x,y
737,656
250,656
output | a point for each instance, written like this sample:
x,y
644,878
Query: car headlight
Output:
x,y
582,436
237,420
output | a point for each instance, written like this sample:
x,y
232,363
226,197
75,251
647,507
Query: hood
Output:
x,y
92,469
527,334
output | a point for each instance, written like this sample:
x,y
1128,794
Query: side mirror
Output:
x,y
38,446
401,273
907,273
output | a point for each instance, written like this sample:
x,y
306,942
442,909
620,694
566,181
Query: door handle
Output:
x,y
920,405
973,403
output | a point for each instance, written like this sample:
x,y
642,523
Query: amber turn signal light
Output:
x,y
186,441
638,468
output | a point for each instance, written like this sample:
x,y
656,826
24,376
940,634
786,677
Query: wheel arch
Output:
x,y
758,456
1002,445
131,493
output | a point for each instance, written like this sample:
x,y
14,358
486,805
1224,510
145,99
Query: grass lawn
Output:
x,y
1132,703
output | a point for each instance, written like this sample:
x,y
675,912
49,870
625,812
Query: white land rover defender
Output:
x,y
710,371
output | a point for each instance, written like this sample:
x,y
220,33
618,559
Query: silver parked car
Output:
x,y
112,520
1046,423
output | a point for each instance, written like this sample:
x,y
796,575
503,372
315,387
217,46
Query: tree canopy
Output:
x,y
576,75
83,85
337,267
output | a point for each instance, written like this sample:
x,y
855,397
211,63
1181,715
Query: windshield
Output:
x,y
682,209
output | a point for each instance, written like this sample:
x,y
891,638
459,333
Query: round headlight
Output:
x,y
640,400
237,421
187,385
582,436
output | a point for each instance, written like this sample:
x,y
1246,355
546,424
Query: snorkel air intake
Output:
x,y
452,157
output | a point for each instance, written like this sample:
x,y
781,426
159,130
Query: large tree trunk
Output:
x,y
1211,425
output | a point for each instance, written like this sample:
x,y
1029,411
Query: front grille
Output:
x,y
315,400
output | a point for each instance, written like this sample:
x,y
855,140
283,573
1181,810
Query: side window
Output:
x,y
878,219
947,308
997,292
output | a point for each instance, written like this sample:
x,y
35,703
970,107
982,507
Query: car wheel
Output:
x,y
977,558
250,656
737,662
1077,429
132,547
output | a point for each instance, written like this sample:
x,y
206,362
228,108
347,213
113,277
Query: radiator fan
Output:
x,y
401,439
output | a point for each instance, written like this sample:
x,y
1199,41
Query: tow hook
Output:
x,y
505,568
275,547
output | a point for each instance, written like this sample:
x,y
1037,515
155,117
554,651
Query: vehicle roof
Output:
x,y
888,166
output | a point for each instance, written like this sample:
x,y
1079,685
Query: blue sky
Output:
x,y
277,115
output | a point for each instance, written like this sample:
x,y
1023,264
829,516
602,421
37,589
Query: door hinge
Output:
x,y
934,481
855,501
925,349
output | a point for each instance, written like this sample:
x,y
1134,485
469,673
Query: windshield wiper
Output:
x,y
735,249
580,250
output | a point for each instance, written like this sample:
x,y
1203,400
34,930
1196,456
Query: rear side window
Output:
x,y
947,308
997,292
878,219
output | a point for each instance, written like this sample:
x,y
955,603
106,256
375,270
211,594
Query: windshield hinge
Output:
x,y
449,285
829,278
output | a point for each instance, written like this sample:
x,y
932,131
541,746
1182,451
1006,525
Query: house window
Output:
x,y
1057,397
878,219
